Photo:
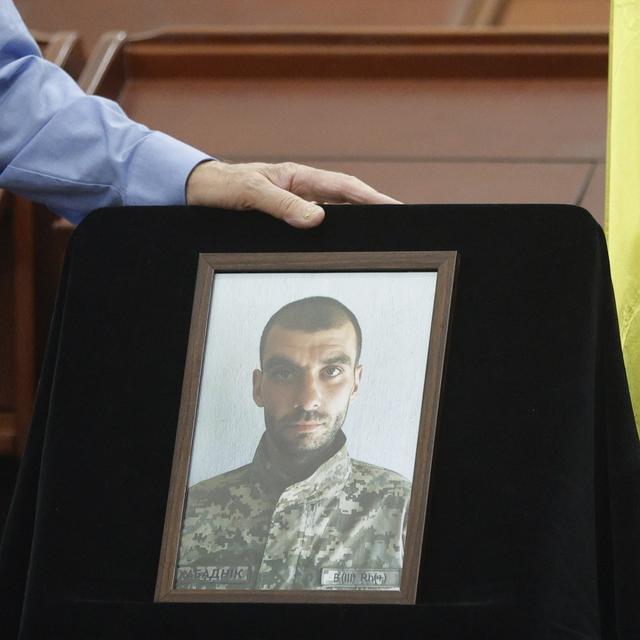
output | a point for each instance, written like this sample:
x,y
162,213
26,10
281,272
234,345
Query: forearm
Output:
x,y
75,152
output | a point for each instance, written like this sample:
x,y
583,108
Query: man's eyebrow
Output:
x,y
341,358
283,361
279,361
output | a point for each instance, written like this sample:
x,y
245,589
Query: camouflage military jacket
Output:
x,y
341,528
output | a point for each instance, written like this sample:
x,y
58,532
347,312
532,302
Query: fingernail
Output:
x,y
312,211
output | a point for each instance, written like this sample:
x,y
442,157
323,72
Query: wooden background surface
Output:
x,y
430,101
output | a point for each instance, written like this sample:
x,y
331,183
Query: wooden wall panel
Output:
x,y
23,322
26,365
418,134
593,199
471,182
552,13
7,305
93,18
420,119
7,329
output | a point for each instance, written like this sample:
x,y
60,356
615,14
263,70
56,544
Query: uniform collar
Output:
x,y
323,484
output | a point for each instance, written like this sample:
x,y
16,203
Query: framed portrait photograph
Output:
x,y
308,414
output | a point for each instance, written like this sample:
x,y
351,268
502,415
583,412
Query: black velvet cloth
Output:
x,y
533,526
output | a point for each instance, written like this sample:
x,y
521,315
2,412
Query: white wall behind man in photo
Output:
x,y
394,311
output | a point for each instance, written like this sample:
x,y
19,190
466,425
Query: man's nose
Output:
x,y
308,396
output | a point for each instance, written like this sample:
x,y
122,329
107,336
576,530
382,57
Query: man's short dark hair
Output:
x,y
317,313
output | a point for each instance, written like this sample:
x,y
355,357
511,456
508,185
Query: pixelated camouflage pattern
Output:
x,y
245,530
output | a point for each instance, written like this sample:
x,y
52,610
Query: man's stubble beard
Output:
x,y
303,444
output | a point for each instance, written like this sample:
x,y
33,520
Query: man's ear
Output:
x,y
257,387
357,376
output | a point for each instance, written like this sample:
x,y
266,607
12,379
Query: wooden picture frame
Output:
x,y
379,581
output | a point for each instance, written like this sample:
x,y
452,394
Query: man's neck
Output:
x,y
299,467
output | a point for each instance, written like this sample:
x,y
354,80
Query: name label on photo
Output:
x,y
213,575
361,578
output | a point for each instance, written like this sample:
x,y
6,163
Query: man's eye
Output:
x,y
281,374
332,372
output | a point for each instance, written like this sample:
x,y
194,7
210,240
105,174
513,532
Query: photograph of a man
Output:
x,y
302,514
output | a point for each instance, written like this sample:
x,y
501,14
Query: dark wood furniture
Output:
x,y
425,115
474,109
140,15
23,227
547,13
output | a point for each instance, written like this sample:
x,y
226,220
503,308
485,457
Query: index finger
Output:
x,y
332,186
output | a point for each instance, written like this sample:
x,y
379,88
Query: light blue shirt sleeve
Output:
x,y
75,152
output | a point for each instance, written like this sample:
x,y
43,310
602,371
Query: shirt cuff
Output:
x,y
159,170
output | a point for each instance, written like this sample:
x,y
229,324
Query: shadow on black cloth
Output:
x,y
8,471
534,516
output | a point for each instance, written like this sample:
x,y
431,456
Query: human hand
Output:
x,y
287,190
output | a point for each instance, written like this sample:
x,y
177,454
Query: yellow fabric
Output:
x,y
623,181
